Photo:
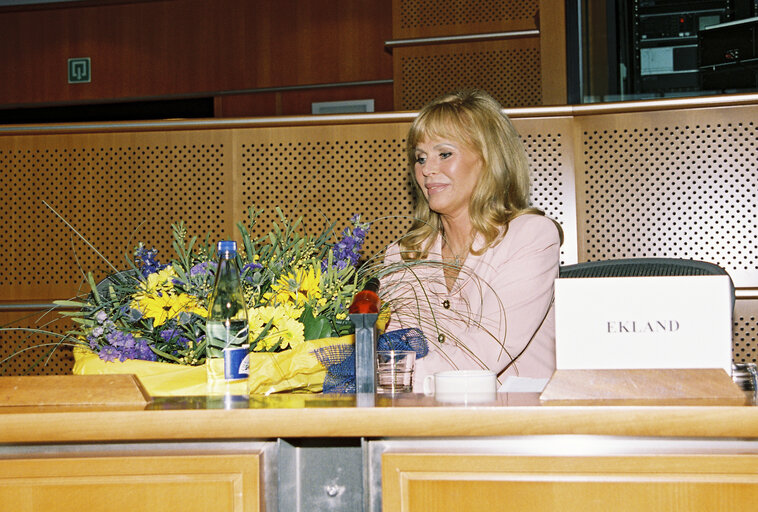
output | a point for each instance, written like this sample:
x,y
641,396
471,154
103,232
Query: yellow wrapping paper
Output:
x,y
291,370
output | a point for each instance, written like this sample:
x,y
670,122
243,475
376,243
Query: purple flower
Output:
x,y
251,267
202,269
119,345
108,353
101,316
248,270
138,349
143,351
145,260
118,338
174,335
347,250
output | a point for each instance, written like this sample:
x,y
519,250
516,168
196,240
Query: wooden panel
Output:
x,y
418,482
549,147
299,102
328,174
428,18
132,483
745,334
673,183
699,386
17,357
304,415
73,390
115,190
552,21
517,72
508,69
168,47
678,183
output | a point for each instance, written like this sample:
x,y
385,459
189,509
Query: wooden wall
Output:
x,y
174,48
666,178
516,50
276,57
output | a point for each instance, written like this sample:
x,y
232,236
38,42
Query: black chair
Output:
x,y
645,267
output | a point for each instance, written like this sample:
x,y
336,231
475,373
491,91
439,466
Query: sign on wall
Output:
x,y
79,70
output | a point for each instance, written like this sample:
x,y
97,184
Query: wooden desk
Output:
x,y
412,454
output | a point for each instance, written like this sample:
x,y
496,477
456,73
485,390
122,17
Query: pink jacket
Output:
x,y
500,305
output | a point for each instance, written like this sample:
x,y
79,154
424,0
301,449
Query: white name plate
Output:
x,y
643,322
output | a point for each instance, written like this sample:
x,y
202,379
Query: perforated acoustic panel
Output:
x,y
415,14
114,191
24,352
679,188
680,184
549,150
745,335
508,70
329,177
673,183
330,180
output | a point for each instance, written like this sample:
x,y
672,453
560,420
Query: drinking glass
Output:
x,y
394,369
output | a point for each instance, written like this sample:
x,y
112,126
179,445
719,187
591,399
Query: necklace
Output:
x,y
460,257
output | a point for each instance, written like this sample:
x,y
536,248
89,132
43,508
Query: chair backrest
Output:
x,y
645,267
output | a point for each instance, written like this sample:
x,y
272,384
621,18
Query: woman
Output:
x,y
475,272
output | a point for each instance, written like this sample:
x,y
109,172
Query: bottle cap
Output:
x,y
227,246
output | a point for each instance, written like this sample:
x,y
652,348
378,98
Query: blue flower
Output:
x,y
143,351
251,267
347,250
145,260
174,335
108,353
202,269
248,270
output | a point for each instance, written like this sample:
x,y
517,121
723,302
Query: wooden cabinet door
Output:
x,y
437,482
138,483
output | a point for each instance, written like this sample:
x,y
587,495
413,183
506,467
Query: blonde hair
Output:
x,y
474,119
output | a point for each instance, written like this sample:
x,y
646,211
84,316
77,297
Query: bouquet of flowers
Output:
x,y
298,289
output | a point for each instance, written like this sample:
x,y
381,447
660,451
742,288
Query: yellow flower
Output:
x,y
160,282
166,306
285,331
291,310
303,286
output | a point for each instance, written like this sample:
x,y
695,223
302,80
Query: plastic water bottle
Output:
x,y
226,329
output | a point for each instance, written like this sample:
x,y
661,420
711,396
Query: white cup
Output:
x,y
462,386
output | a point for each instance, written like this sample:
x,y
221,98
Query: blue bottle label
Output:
x,y
237,362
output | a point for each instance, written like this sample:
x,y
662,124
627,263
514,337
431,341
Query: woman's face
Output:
x,y
447,172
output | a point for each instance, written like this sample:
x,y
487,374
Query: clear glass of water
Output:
x,y
395,371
